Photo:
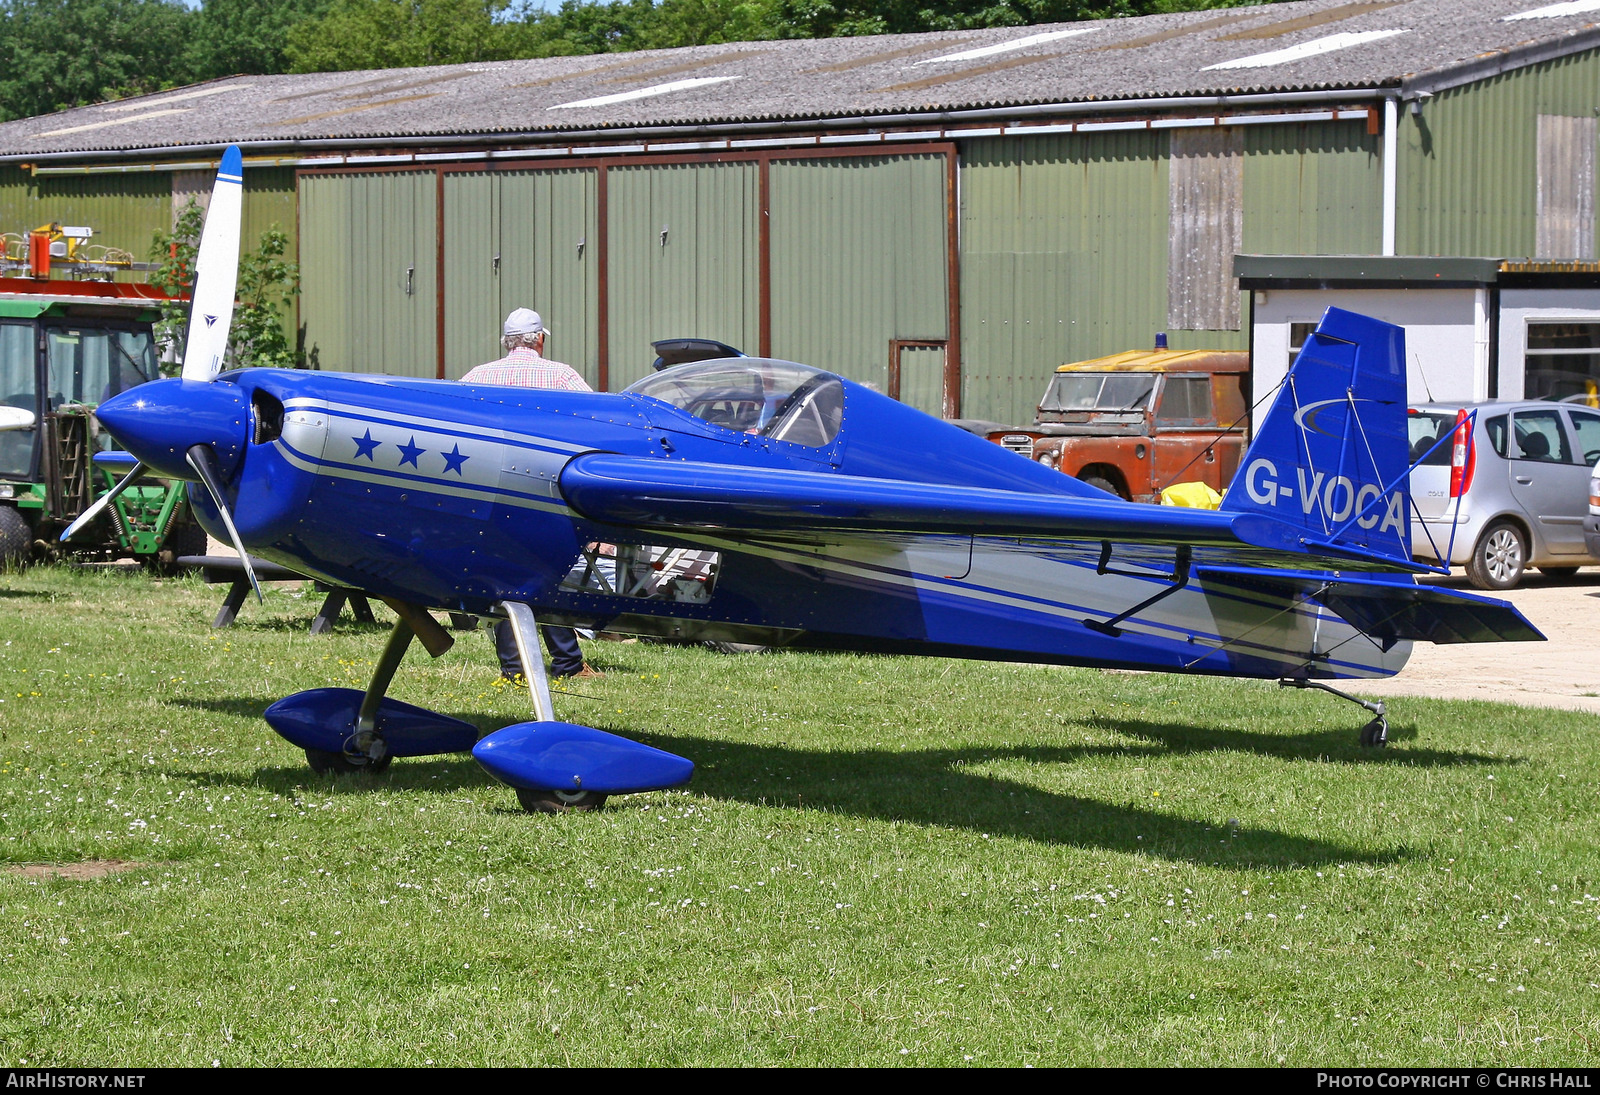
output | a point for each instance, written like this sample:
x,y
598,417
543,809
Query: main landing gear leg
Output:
x,y
538,800
526,630
1374,735
364,750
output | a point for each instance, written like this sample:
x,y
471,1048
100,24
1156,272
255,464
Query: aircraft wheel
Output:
x,y
324,763
559,802
1375,735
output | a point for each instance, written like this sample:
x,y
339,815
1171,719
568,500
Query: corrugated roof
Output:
x,y
1315,44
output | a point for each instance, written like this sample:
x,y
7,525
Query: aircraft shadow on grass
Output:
x,y
943,788
1331,746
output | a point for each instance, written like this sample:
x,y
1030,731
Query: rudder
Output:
x,y
1331,455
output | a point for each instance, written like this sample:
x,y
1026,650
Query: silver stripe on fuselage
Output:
x,y
420,454
424,422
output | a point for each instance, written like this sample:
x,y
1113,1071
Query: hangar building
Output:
x,y
946,215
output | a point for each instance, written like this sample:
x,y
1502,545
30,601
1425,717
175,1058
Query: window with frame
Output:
x,y
19,388
1186,400
1539,436
1586,437
1298,333
1496,429
1562,361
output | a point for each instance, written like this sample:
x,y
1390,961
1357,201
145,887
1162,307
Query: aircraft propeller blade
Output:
x,y
102,503
216,273
204,463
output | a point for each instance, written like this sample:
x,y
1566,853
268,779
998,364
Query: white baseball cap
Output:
x,y
523,321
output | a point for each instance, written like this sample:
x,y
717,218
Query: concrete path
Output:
x,y
1563,672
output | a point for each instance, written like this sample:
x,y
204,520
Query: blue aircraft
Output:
x,y
766,501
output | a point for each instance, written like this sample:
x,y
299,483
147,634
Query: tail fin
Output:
x,y
1331,455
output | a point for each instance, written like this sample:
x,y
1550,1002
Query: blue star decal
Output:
x,y
454,459
409,453
366,445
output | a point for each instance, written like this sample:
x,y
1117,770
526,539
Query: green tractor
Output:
x,y
65,347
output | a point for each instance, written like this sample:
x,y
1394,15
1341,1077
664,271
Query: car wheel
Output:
x,y
1104,484
1498,558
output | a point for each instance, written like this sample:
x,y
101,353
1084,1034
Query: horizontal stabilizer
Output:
x,y
1390,610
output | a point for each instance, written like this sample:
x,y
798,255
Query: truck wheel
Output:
x,y
1104,484
1498,558
16,537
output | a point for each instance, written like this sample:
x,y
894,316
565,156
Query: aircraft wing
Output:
x,y
689,496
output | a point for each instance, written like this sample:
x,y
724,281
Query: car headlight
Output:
x,y
1048,459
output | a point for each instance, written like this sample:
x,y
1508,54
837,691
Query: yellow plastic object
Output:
x,y
1191,496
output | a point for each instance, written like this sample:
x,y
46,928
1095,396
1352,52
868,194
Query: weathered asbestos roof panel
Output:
x,y
1384,43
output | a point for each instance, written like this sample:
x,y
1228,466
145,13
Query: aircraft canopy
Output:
x,y
776,399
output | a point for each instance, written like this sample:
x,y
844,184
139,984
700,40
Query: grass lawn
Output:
x,y
879,861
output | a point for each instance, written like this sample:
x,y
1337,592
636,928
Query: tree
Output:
x,y
835,18
56,54
358,34
581,27
230,37
267,282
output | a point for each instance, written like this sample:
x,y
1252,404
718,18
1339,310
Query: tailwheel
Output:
x,y
559,802
1375,735
324,763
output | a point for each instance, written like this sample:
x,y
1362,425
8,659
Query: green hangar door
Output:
x,y
368,267
860,265
684,251
521,239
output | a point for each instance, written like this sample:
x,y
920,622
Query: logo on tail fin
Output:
x,y
1319,417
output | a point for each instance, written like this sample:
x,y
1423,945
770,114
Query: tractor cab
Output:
x,y
65,347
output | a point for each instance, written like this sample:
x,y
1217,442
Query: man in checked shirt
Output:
x,y
525,366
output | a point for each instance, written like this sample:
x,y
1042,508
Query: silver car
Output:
x,y
1525,492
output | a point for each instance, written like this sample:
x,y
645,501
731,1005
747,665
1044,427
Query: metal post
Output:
x,y
526,630
1391,151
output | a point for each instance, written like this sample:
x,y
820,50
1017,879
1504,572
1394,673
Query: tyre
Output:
x,y
16,539
1104,484
1499,557
558,802
1558,572
324,763
184,537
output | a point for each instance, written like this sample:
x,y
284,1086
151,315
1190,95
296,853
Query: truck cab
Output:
x,y
1138,422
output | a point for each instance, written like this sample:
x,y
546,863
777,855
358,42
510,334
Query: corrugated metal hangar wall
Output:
x,y
955,274
831,259
1062,247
